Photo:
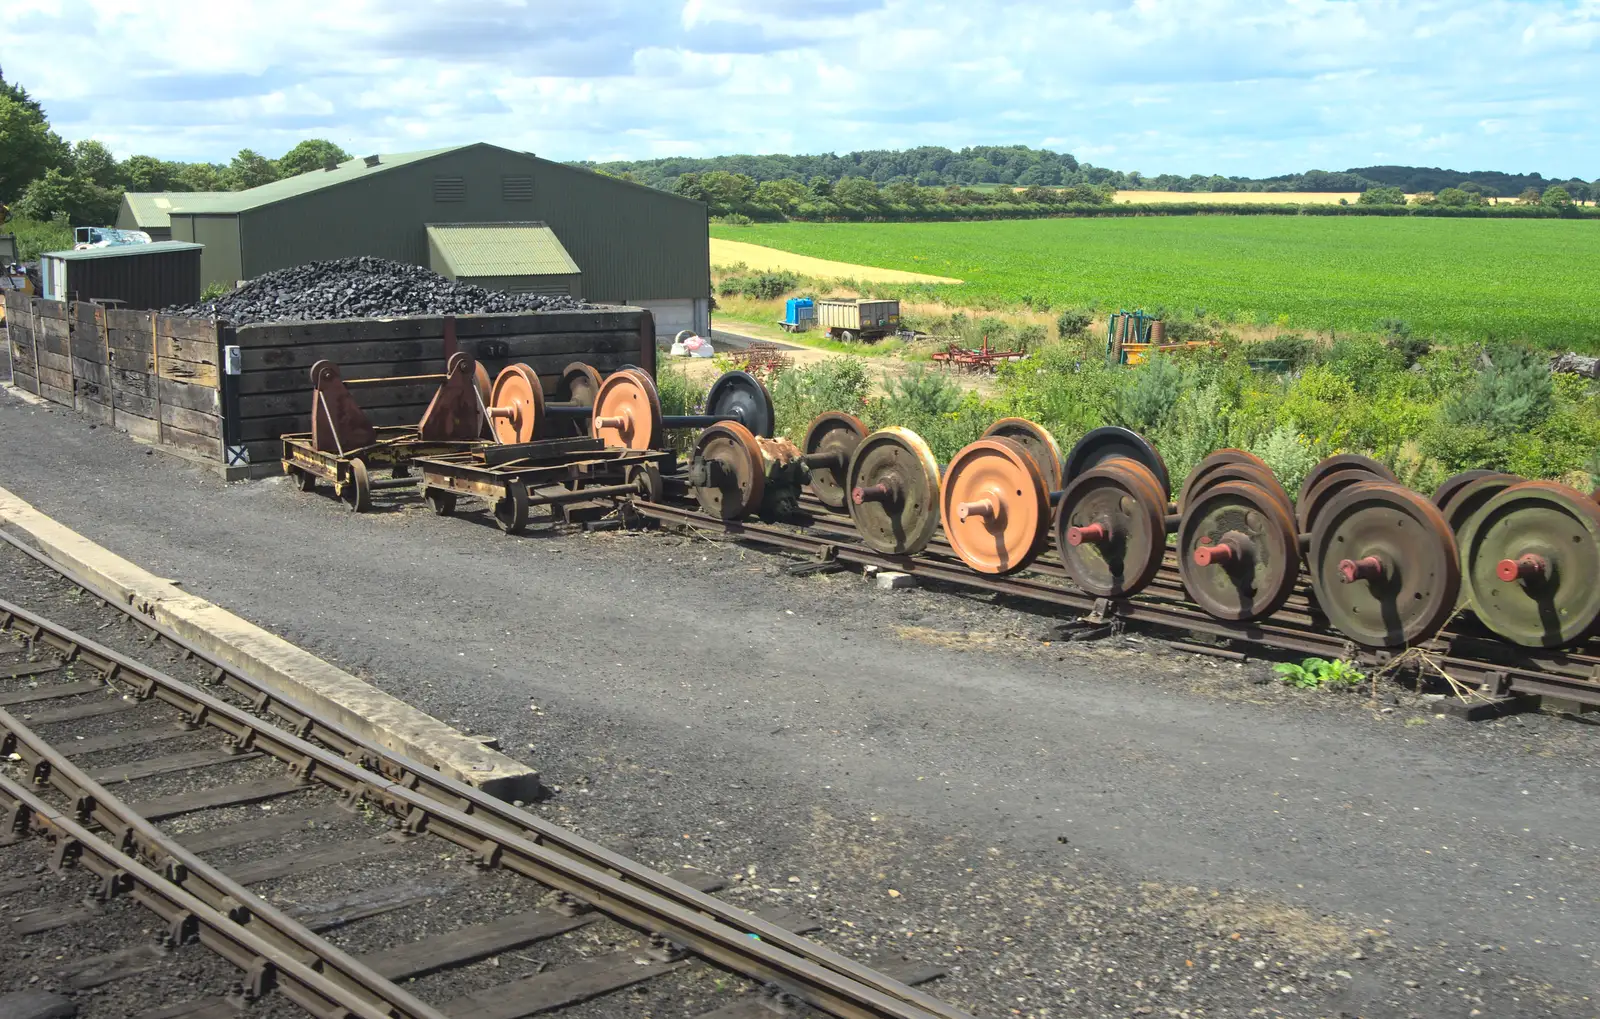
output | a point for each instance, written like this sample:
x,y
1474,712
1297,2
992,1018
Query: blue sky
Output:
x,y
1252,87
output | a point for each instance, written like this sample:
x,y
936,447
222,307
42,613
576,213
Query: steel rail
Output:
x,y
498,834
229,930
137,837
1520,678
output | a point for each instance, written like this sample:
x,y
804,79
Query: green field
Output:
x,y
1527,280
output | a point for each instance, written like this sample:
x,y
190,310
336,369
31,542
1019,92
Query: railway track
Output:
x,y
1504,678
329,871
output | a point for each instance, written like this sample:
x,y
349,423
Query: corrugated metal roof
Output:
x,y
119,250
501,249
154,208
311,180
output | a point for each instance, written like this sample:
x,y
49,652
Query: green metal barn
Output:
x,y
618,242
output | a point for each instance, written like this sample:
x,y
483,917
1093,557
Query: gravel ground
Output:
x,y
1111,829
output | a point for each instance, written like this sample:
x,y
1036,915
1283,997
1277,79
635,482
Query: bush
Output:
x,y
1290,347
1290,455
1074,322
1410,348
1514,393
1365,363
1149,399
762,286
834,383
213,291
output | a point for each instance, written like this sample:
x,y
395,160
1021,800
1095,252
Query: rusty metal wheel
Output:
x,y
1472,496
830,440
1454,483
995,506
1343,461
1239,470
480,378
1038,442
1313,498
442,503
579,384
358,490
1110,441
646,480
739,395
1214,461
1110,528
305,480
1384,565
1531,559
627,412
511,510
1237,552
734,473
894,491
516,404
322,371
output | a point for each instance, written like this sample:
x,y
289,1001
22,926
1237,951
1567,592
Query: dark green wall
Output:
x,y
631,242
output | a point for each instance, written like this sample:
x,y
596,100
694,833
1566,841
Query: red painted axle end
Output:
x,y
1352,570
870,493
1092,533
1214,555
1524,567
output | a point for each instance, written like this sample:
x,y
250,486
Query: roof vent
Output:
x,y
371,160
330,163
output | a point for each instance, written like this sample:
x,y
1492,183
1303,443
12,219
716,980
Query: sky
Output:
x,y
1237,87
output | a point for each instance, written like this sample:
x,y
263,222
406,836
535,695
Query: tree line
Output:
x,y
1020,166
741,197
45,178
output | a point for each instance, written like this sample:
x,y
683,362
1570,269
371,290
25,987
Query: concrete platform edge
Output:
x,y
285,667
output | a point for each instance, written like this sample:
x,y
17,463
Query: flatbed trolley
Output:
x,y
547,472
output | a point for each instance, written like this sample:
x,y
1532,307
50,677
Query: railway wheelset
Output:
x,y
1386,567
1490,555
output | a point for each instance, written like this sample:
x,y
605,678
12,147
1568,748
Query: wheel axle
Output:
x,y
1093,533
1529,566
1368,568
884,491
985,508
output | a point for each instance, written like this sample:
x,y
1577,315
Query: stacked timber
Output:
x,y
276,360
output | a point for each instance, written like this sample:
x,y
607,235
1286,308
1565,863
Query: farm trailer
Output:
x,y
858,318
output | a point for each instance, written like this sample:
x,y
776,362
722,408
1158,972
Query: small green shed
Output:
x,y
518,258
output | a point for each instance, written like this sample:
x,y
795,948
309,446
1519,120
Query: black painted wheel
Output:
x,y
1102,444
739,395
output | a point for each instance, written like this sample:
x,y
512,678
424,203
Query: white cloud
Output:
x,y
1229,86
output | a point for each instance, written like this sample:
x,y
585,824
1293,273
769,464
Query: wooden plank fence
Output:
x,y
162,379
150,375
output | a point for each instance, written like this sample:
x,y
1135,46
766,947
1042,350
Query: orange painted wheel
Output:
x,y
734,473
995,506
516,404
627,412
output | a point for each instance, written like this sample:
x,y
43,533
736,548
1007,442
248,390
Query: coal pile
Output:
x,y
362,287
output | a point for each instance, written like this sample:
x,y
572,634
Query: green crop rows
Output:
x,y
1520,280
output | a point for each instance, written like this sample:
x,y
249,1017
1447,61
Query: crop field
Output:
x,y
1527,280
